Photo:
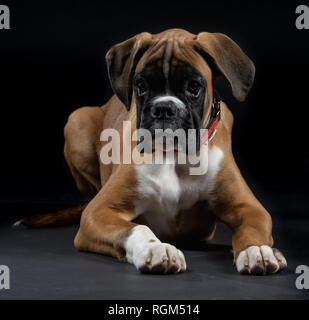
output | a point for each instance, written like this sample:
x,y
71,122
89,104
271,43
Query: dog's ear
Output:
x,y
121,62
229,60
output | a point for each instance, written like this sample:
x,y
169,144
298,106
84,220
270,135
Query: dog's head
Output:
x,y
170,76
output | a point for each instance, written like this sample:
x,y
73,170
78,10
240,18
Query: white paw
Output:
x,y
150,255
160,258
260,260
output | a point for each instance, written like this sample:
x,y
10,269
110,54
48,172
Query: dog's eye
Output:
x,y
194,88
141,87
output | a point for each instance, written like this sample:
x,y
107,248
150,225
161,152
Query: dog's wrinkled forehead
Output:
x,y
169,75
171,52
224,55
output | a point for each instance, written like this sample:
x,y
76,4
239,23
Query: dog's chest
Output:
x,y
164,190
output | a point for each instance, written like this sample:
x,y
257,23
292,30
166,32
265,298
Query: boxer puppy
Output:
x,y
166,81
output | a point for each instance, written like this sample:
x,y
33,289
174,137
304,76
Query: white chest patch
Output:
x,y
164,190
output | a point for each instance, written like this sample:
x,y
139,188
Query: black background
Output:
x,y
52,62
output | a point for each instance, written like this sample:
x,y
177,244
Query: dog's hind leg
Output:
x,y
82,132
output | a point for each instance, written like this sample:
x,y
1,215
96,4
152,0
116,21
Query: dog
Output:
x,y
166,80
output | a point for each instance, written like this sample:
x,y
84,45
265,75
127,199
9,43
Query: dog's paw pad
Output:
x,y
260,260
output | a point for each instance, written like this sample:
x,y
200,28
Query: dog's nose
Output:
x,y
164,110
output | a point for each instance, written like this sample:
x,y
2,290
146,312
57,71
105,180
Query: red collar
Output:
x,y
214,119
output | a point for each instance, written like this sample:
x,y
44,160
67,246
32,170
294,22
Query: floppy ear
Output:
x,y
121,62
230,60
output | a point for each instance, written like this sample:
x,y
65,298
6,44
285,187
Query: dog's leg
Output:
x,y
150,255
251,224
106,227
252,240
82,133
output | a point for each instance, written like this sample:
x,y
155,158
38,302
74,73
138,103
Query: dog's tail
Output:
x,y
58,219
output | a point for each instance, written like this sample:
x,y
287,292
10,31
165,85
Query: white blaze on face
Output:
x,y
178,103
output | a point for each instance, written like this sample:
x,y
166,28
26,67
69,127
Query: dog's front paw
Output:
x,y
160,258
260,260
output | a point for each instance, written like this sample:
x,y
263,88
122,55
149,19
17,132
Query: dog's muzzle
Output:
x,y
166,108
166,115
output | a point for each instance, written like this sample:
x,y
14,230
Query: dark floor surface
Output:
x,y
44,264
